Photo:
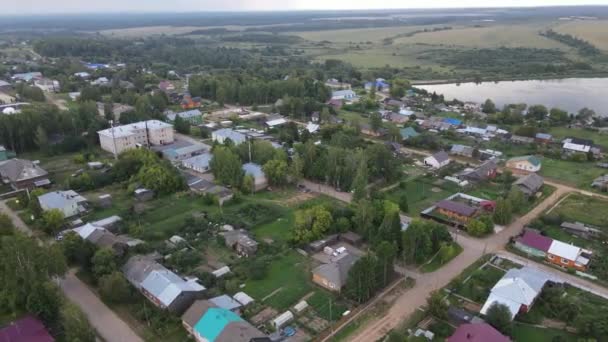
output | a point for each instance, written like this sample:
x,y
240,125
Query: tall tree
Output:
x,y
226,166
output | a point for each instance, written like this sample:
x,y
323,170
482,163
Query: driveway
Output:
x,y
107,324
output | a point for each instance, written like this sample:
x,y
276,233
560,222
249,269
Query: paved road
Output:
x,y
107,324
473,249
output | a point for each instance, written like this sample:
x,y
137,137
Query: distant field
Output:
x,y
355,35
395,56
596,31
491,36
133,32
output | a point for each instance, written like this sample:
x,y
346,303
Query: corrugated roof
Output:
x,y
535,240
213,322
226,302
564,250
477,332
456,207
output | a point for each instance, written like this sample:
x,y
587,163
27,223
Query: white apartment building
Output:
x,y
144,133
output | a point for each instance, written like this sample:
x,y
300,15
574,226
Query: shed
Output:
x,y
301,306
243,298
351,238
221,271
282,319
105,200
143,194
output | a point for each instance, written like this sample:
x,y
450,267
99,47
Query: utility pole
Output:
x,y
113,139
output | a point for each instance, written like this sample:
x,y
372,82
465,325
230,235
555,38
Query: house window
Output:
x,y
564,261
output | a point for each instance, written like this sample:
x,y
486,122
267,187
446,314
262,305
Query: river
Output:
x,y
570,94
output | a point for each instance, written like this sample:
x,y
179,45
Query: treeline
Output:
x,y
262,38
507,61
583,46
249,91
47,128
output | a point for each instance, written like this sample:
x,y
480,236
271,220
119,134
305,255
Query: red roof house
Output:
x,y
27,329
534,240
477,332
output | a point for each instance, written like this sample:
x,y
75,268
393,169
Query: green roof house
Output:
x,y
408,132
524,164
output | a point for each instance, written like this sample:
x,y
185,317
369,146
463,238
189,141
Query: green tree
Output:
x,y
360,182
417,243
77,250
104,262
499,316
361,282
52,221
363,220
311,224
476,228
517,198
558,116
386,253
181,126
324,116
503,212
403,203
296,169
114,287
276,172
74,324
437,306
538,112
488,107
6,225
42,140
375,121
44,301
248,184
226,166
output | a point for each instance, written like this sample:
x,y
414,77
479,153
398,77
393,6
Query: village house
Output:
x,y
336,84
346,95
189,102
198,163
437,160
207,322
518,139
397,118
259,178
221,135
581,230
101,81
166,86
554,251
408,132
47,85
379,84
477,332
456,210
69,202
529,184
462,150
240,241
524,164
367,130
227,303
162,287
193,116
334,274
23,174
27,77
184,151
543,138
103,238
517,290
203,186
144,133
335,103
487,170
576,145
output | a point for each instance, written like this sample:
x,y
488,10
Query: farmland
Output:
x,y
592,31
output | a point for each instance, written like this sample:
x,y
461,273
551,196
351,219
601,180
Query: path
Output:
x,y
60,103
473,249
107,324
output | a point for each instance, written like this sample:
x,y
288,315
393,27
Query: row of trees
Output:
x,y
249,91
147,169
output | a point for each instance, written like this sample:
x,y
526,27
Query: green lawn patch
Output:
x,y
422,193
579,174
477,287
320,301
530,333
585,209
437,261
290,273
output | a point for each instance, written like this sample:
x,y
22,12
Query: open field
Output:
x,y
529,333
356,35
486,37
577,174
586,209
421,193
593,31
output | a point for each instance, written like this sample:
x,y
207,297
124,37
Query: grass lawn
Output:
x,y
291,274
477,287
422,193
578,174
585,209
488,190
277,230
436,262
530,333
320,301
560,133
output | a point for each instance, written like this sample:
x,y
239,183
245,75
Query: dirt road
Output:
x,y
107,324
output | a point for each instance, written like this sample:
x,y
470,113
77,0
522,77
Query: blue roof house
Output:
x,y
380,84
452,121
408,132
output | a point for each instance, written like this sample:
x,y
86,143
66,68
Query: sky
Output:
x,y
82,6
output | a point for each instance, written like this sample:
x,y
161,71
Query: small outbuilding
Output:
x,y
282,319
143,194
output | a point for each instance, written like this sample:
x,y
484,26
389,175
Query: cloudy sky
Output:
x,y
80,6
